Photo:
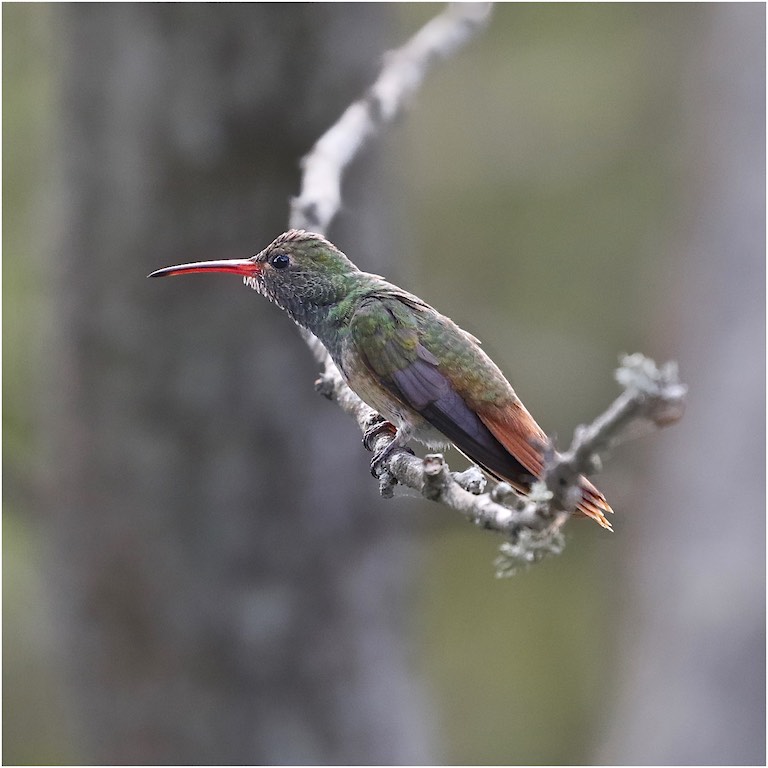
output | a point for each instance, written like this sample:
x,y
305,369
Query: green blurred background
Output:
x,y
552,195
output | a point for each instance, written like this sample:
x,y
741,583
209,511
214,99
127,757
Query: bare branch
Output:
x,y
401,76
652,397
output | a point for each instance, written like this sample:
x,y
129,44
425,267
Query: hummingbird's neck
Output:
x,y
311,302
329,318
309,315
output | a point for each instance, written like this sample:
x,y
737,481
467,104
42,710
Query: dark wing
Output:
x,y
387,338
407,347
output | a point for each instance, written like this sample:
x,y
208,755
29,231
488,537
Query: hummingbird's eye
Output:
x,y
280,260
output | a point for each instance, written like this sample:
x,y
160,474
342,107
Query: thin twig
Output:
x,y
651,395
401,76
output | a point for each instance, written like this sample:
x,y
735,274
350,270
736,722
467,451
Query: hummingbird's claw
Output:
x,y
377,426
377,463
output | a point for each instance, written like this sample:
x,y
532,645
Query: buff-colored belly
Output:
x,y
412,424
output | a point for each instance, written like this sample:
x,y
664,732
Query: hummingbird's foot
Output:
x,y
377,426
377,462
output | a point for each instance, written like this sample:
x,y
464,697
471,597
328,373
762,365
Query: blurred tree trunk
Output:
x,y
694,638
229,588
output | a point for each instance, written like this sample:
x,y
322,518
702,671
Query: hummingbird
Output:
x,y
429,378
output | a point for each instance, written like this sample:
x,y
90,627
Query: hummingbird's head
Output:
x,y
297,269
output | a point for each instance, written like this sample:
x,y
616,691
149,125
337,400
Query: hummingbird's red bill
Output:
x,y
244,267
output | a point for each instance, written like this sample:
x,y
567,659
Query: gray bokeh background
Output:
x,y
196,567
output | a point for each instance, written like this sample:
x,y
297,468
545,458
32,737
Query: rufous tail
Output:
x,y
593,504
